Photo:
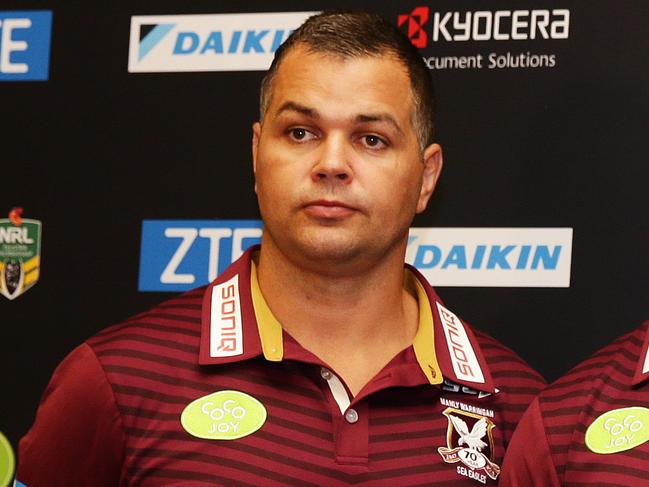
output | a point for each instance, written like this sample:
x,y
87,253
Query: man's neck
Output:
x,y
354,323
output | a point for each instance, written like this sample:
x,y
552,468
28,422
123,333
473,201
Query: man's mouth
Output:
x,y
329,209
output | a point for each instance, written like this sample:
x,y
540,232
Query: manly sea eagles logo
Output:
x,y
20,246
469,440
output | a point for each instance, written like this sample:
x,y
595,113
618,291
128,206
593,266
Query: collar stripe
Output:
x,y
424,341
270,330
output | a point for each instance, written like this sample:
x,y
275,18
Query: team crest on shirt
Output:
x,y
469,441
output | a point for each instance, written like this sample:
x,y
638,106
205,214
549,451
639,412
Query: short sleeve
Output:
x,y
77,437
528,461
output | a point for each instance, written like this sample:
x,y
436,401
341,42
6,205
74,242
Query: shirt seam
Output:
x,y
119,413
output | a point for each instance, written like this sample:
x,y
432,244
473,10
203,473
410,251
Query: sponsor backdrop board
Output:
x,y
126,142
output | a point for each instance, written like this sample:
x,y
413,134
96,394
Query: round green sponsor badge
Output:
x,y
223,415
618,430
7,461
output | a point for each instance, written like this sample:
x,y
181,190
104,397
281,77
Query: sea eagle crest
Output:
x,y
472,439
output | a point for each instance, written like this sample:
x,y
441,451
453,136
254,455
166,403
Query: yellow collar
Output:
x,y
272,342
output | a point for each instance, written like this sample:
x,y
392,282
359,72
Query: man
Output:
x,y
591,427
315,359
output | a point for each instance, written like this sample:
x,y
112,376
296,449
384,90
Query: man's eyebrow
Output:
x,y
379,117
291,106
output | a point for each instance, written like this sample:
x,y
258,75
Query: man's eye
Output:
x,y
300,134
374,142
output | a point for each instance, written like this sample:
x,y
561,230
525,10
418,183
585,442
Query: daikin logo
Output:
x,y
492,257
214,42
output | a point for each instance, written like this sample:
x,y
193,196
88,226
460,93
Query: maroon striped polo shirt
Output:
x,y
591,427
207,389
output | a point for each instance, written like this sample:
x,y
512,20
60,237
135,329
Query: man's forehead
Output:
x,y
299,52
380,82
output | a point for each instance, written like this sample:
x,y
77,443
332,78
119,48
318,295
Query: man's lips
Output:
x,y
329,209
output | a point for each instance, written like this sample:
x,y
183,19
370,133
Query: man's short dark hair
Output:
x,y
358,34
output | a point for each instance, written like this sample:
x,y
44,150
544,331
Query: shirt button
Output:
x,y
351,416
326,374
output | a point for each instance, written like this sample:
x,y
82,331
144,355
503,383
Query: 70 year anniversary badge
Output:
x,y
20,253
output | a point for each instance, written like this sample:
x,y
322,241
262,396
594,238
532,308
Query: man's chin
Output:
x,y
331,248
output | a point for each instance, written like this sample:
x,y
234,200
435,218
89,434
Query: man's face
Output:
x,y
339,172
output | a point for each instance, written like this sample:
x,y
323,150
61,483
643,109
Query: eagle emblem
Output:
x,y
473,438
469,440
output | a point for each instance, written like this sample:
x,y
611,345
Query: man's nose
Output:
x,y
333,161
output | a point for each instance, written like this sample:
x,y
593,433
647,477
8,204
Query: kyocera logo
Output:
x,y
484,25
227,42
178,255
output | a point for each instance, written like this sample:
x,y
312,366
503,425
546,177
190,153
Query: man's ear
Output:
x,y
256,132
433,162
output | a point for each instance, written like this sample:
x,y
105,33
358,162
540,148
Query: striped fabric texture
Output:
x,y
112,412
591,427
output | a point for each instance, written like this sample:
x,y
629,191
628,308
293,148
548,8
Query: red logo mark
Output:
x,y
14,216
416,20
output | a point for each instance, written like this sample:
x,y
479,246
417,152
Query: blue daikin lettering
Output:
x,y
254,41
492,257
25,45
507,257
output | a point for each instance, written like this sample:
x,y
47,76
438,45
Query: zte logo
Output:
x,y
226,42
485,25
226,332
25,45
178,255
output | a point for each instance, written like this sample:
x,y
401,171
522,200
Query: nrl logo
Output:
x,y
20,246
470,441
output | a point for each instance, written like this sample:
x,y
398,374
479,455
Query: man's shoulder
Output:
x,y
605,383
173,325
610,369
